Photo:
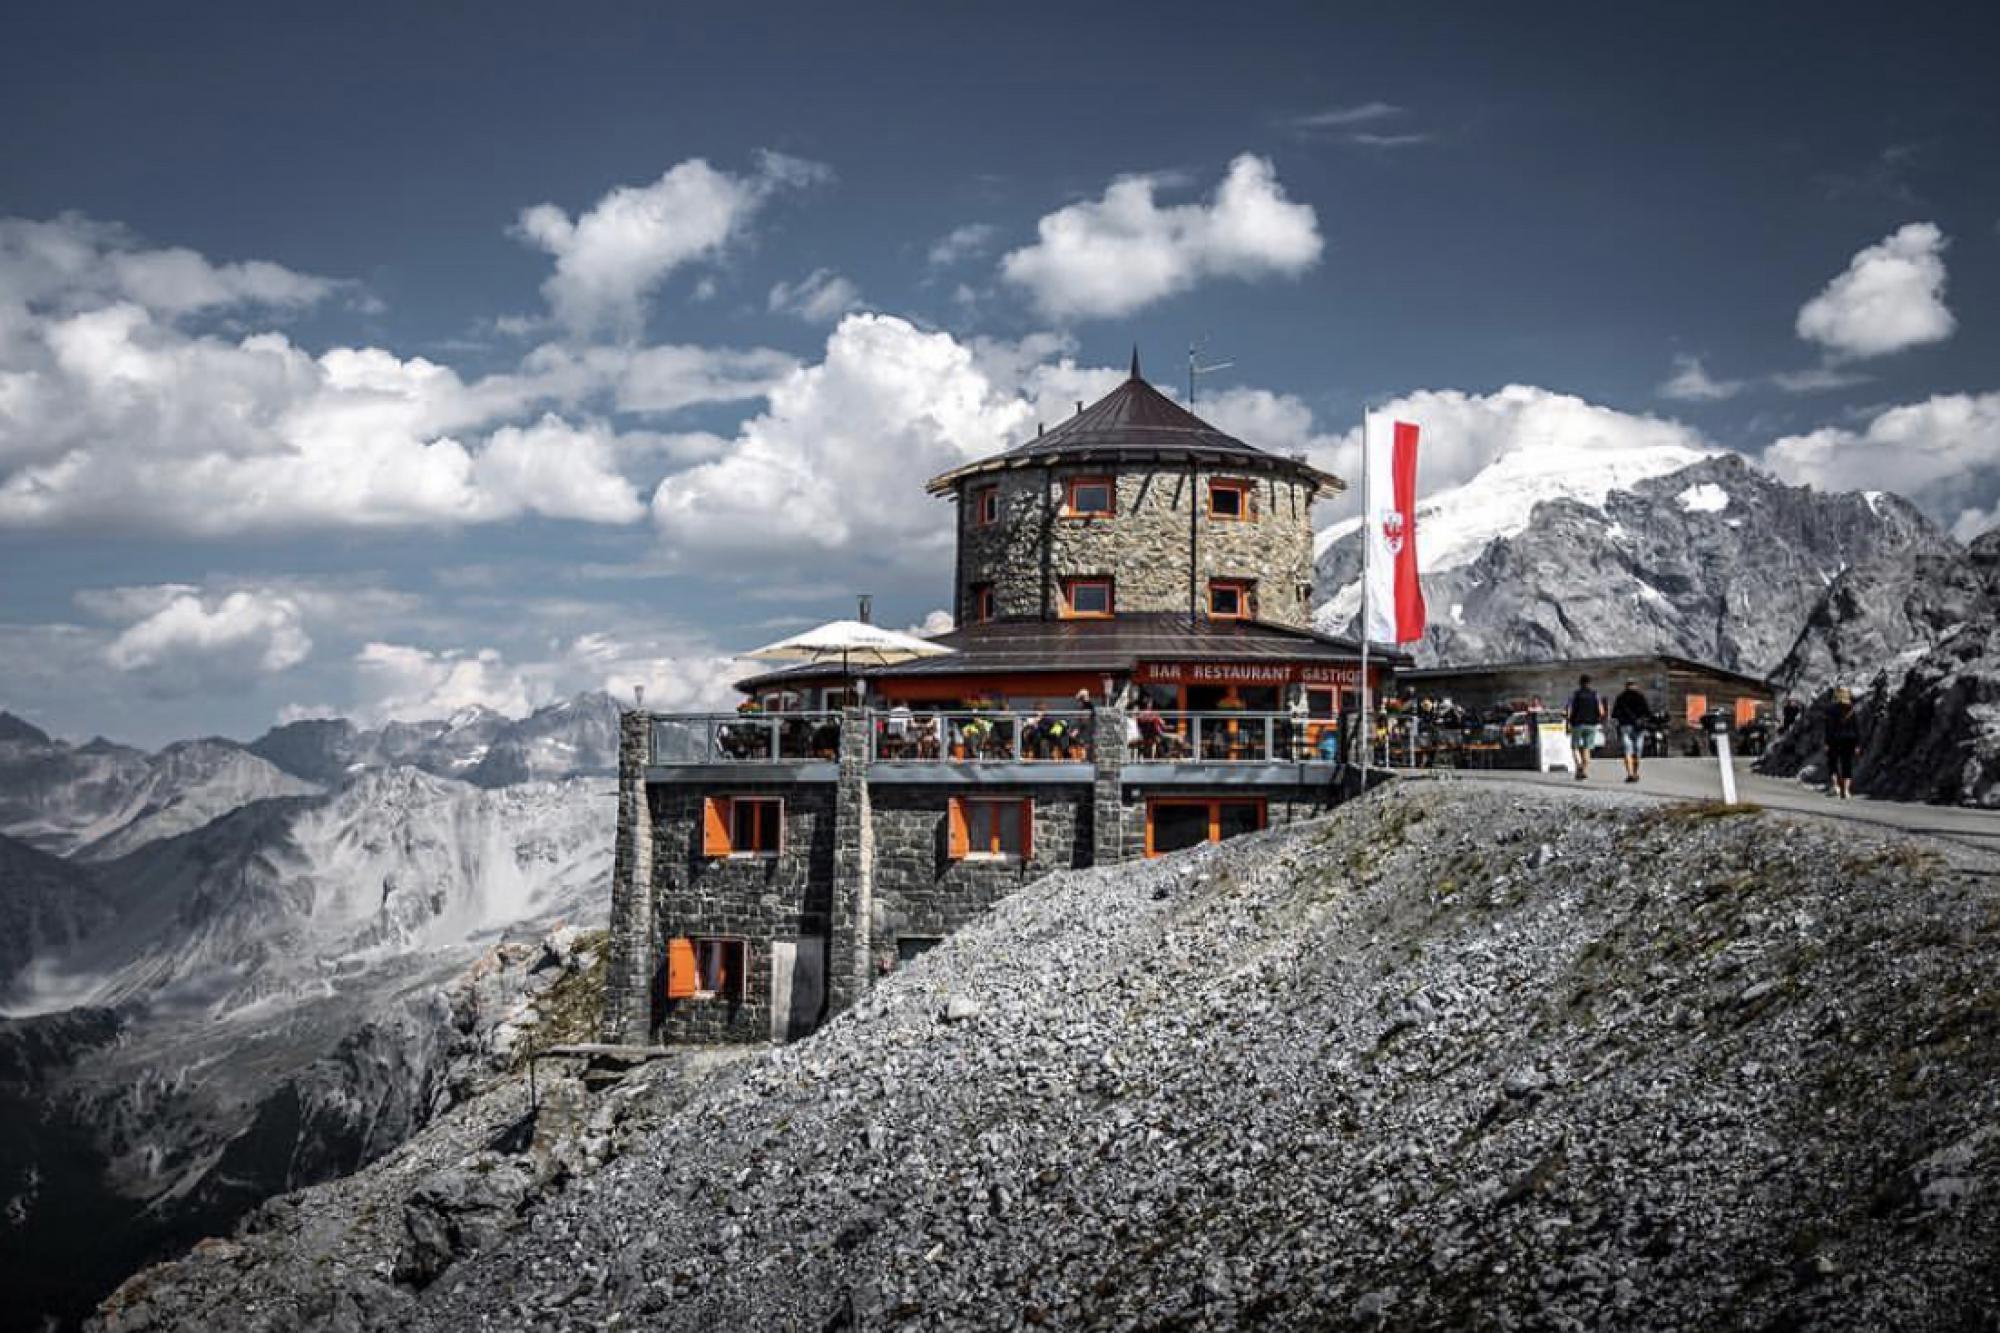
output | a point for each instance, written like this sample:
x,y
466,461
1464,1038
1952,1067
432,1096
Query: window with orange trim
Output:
x,y
1231,599
706,968
982,603
991,828
742,826
1089,497
985,506
1231,501
1177,822
1088,599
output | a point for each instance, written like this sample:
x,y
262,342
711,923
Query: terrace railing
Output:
x,y
1227,737
979,736
746,738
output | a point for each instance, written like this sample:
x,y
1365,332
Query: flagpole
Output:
x,y
1367,730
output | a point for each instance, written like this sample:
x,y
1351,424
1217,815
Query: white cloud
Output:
x,y
1942,453
1111,256
962,243
834,464
820,297
934,623
557,469
1340,117
72,259
111,412
1817,379
611,257
188,644
405,683
1691,383
1891,297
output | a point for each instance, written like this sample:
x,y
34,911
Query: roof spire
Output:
x,y
1135,361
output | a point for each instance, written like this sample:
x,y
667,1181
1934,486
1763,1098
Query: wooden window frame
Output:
x,y
1069,587
1246,499
1214,804
1070,488
684,967
1246,599
959,830
984,603
718,829
985,499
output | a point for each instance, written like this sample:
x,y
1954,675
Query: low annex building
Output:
x,y
1133,671
1681,689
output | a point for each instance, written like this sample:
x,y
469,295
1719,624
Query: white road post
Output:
x,y
1728,768
1367,730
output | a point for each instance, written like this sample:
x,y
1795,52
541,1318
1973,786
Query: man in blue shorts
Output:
x,y
1629,713
1586,725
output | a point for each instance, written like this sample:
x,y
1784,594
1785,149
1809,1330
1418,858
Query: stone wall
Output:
x,y
634,936
1143,546
758,900
920,891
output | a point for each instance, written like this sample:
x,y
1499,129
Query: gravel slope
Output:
x,y
1452,1057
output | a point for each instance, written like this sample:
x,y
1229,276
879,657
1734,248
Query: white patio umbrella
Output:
x,y
852,643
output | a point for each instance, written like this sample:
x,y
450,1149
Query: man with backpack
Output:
x,y
1586,725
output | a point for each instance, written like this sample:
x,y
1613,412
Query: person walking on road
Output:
x,y
1843,738
1586,725
1629,713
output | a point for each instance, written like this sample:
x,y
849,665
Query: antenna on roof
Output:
x,y
1196,369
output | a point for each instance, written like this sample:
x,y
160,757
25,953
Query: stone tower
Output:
x,y
1134,506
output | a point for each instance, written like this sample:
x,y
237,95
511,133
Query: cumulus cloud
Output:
x,y
112,412
1691,383
611,257
831,464
72,260
1891,297
962,243
1942,453
820,297
1111,256
188,644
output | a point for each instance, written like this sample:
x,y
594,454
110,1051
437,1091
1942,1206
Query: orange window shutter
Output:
x,y
715,826
1026,812
960,835
1746,712
1697,704
683,977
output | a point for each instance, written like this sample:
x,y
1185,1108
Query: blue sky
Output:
x,y
383,361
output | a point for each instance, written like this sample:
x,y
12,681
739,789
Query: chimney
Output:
x,y
867,609
1079,407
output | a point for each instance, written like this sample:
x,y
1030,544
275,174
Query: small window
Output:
x,y
982,603
1089,497
1179,822
909,948
706,968
742,826
1085,599
987,829
986,506
1230,599
1231,501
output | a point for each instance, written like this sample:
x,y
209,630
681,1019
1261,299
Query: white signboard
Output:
x,y
1552,752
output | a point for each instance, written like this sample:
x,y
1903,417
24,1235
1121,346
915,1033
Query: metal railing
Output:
x,y
746,738
1228,737
978,736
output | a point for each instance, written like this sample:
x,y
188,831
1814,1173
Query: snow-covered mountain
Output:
x,y
567,739
100,800
1714,560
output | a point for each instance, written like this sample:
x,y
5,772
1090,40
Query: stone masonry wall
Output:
x,y
920,891
629,969
1143,546
758,900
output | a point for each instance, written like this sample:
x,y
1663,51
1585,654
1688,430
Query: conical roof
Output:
x,y
1135,423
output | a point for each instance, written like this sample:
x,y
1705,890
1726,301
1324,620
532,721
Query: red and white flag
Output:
x,y
1395,594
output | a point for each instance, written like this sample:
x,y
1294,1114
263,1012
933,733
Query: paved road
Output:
x,y
1698,779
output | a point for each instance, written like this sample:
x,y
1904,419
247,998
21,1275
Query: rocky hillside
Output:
x,y
1717,561
1453,1056
46,904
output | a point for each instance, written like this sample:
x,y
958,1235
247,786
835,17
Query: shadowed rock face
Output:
x,y
1451,1057
1719,562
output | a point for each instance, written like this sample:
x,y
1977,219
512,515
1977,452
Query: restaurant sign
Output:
x,y
1347,675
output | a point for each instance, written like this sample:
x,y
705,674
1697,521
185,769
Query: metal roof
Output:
x,y
1136,423
1014,647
